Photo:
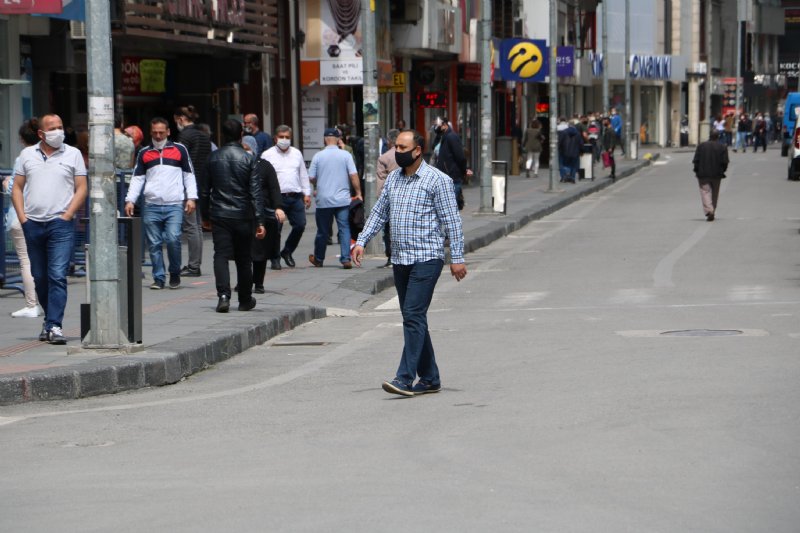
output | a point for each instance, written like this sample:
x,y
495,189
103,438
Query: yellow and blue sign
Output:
x,y
524,60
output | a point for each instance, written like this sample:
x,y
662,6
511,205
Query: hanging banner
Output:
x,y
565,61
30,7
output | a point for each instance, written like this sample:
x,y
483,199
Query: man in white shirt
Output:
x,y
164,174
49,188
295,187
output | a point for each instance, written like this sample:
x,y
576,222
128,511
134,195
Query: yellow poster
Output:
x,y
152,74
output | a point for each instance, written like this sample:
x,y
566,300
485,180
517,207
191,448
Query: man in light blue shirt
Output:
x,y
420,203
333,172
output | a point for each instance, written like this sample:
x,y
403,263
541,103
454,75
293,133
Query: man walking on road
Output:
x,y
49,188
295,188
420,203
710,163
334,173
164,174
232,201
450,158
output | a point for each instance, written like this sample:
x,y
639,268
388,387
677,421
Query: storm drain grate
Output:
x,y
702,332
302,343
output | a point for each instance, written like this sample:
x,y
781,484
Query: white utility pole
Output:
x,y
486,107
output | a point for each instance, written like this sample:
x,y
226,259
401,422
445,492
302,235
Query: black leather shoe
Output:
x,y
259,289
189,272
223,304
288,259
275,264
246,306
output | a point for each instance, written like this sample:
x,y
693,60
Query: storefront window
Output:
x,y
5,90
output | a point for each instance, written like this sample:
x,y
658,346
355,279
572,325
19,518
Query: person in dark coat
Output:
x,y
570,143
274,217
231,199
609,142
198,145
710,163
451,158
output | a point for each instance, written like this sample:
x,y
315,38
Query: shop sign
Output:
x,y
344,72
223,12
565,61
790,69
651,67
143,76
432,99
398,84
523,60
29,7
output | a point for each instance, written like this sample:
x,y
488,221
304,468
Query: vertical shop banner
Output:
x,y
30,7
523,60
313,101
565,61
341,31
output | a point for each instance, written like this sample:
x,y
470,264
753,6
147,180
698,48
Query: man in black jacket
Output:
x,y
231,199
450,158
710,163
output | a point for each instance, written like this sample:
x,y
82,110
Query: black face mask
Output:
x,y
405,159
437,130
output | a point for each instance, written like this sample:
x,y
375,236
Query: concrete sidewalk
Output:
x,y
182,332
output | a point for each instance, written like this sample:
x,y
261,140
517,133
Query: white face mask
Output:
x,y
248,129
284,144
54,138
159,144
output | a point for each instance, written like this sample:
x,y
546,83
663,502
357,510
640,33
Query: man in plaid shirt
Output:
x,y
419,203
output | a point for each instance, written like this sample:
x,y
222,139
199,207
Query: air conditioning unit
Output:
x,y
77,30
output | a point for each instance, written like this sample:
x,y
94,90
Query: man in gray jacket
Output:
x,y
710,163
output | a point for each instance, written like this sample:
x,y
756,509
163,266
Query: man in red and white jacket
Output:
x,y
164,174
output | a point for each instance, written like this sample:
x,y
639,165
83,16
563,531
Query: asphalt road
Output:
x,y
565,406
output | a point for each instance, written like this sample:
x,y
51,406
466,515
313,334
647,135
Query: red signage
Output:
x,y
431,99
543,107
29,7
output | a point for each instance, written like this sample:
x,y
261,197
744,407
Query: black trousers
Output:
x,y
232,241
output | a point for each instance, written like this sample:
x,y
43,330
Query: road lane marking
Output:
x,y
662,276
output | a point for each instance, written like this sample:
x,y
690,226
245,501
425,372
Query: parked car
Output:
x,y
789,121
794,154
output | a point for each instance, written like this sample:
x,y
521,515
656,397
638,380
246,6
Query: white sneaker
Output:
x,y
27,312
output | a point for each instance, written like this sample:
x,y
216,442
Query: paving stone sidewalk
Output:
x,y
183,334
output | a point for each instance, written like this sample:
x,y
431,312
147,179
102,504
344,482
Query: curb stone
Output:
x,y
161,364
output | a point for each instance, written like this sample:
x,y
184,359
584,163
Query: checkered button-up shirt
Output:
x,y
421,210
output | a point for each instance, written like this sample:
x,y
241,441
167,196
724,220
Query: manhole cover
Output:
x,y
702,332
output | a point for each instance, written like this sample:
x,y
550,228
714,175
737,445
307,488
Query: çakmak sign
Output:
x,y
651,67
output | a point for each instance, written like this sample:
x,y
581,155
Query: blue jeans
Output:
x,y
50,247
415,284
741,140
295,210
324,217
162,224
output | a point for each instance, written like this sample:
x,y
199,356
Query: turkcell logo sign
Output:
x,y
528,60
651,67
523,59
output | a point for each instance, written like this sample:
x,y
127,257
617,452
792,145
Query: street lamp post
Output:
x,y
371,103
628,136
486,107
104,271
553,108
